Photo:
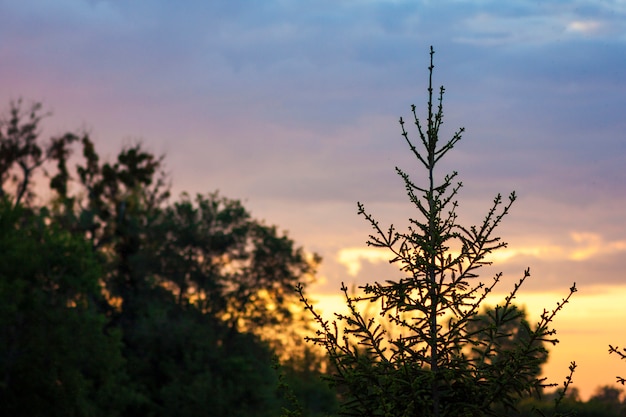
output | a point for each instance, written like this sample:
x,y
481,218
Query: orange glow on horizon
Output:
x,y
585,328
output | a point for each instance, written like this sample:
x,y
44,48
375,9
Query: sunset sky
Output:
x,y
293,107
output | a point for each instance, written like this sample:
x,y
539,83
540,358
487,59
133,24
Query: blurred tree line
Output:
x,y
117,301
607,401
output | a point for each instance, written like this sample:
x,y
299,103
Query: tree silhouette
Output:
x,y
435,356
129,303
22,154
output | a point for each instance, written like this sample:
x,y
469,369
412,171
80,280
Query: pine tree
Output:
x,y
432,352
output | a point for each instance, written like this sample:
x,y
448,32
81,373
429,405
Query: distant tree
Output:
x,y
303,387
608,395
515,331
191,292
22,154
420,363
209,251
608,400
213,254
203,268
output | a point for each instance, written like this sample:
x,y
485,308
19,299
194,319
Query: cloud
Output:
x,y
582,246
584,26
488,29
579,247
593,245
353,258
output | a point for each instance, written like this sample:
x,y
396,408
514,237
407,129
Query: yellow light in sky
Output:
x,y
594,318
584,26
579,247
352,258
585,328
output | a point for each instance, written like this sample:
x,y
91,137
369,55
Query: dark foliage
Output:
x,y
116,301
56,356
